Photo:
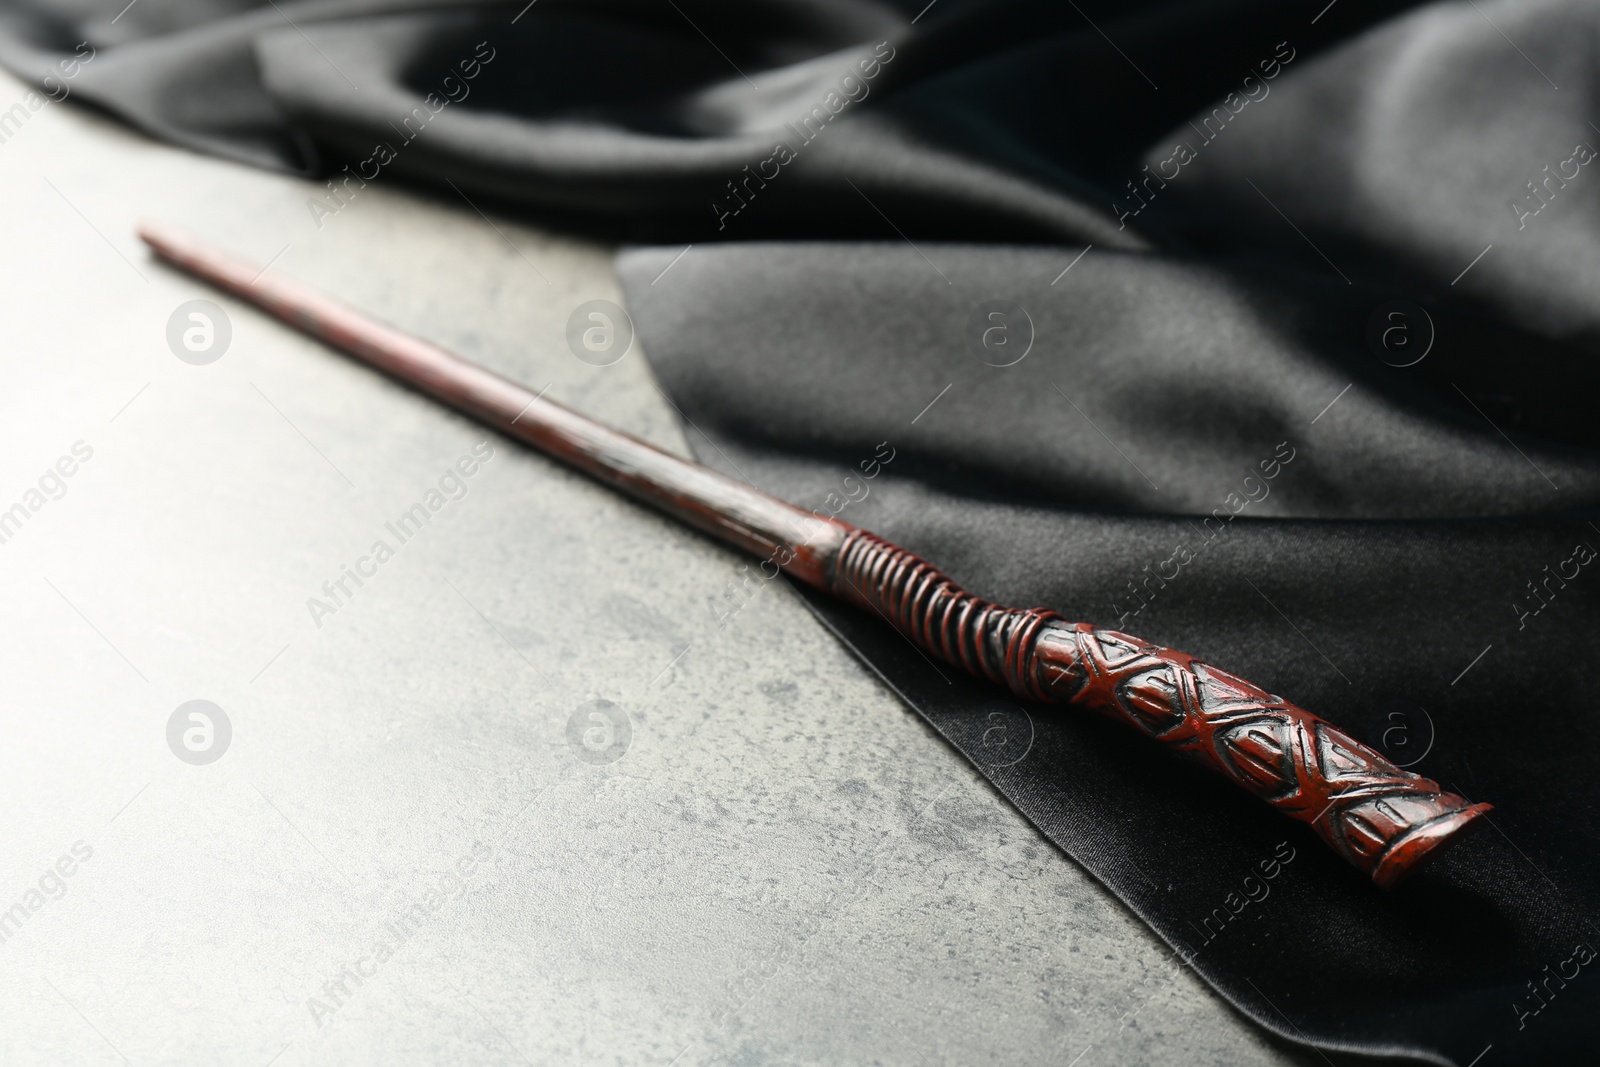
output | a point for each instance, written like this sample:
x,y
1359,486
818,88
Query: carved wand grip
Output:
x,y
1384,820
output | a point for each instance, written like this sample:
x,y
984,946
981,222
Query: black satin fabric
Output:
x,y
1352,193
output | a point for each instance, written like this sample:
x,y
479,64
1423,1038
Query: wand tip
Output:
x,y
161,237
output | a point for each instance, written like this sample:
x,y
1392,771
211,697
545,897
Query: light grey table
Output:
x,y
419,845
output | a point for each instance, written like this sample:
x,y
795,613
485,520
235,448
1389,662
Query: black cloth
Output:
x,y
1089,272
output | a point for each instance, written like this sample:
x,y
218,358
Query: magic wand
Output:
x,y
1385,820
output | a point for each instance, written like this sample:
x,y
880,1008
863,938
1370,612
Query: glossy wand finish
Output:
x,y
1384,820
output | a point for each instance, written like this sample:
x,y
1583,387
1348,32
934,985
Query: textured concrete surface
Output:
x,y
420,845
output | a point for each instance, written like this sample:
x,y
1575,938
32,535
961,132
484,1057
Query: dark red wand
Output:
x,y
1384,820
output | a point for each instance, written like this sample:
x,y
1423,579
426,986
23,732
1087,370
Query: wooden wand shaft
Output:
x,y
1384,820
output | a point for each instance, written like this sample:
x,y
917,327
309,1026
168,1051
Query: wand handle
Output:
x,y
1384,820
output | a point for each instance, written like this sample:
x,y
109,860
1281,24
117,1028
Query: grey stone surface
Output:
x,y
784,866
